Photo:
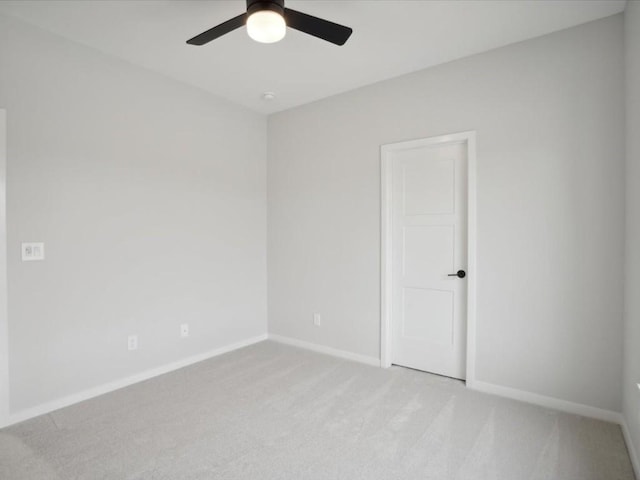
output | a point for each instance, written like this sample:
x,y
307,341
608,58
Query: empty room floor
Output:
x,y
271,411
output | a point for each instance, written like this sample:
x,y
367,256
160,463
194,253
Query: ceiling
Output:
x,y
390,38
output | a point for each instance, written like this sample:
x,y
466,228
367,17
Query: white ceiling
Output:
x,y
391,38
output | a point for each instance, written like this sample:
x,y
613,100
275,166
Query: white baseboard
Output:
x,y
125,382
548,402
633,453
334,352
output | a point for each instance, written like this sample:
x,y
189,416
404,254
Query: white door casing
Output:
x,y
428,220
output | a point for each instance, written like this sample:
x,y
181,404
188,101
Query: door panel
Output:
x,y
428,184
428,250
423,312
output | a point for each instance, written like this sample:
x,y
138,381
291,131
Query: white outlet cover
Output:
x,y
317,319
132,342
184,330
32,251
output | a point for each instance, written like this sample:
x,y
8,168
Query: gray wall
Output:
x,y
549,117
150,198
631,407
4,324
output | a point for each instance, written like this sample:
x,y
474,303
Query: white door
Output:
x,y
428,214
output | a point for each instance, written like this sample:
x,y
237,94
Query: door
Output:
x,y
428,236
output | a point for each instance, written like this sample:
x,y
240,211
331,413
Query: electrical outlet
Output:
x,y
317,319
132,342
184,330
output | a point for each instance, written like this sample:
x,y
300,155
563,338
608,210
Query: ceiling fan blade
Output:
x,y
324,29
219,30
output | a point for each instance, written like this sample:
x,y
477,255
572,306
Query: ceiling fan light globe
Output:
x,y
266,26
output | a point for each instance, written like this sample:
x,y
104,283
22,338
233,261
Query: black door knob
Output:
x,y
459,274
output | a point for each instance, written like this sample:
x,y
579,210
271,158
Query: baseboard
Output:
x,y
633,453
334,352
125,382
548,402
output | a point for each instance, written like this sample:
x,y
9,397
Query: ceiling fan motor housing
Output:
x,y
262,5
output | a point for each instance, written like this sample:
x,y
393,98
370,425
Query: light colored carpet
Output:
x,y
275,412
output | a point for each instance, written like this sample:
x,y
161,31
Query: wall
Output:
x,y
631,405
549,118
150,198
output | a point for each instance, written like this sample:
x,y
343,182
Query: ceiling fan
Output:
x,y
267,22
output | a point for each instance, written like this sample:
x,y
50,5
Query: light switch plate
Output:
x,y
32,251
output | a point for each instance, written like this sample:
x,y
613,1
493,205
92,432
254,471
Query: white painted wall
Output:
x,y
550,123
631,402
150,198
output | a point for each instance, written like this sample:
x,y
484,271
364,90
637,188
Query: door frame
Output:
x,y
468,138
4,322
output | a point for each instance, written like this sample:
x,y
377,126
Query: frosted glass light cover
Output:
x,y
266,26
